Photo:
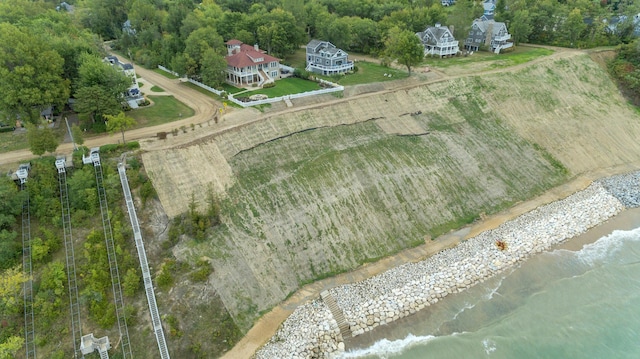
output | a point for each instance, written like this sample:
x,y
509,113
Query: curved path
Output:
x,y
203,105
204,108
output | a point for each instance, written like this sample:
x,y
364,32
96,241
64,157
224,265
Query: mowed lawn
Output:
x,y
368,72
519,55
286,86
164,109
14,140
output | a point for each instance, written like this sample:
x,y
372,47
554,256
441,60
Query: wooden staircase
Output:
x,y
328,299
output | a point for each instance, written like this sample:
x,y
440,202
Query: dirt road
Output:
x,y
204,107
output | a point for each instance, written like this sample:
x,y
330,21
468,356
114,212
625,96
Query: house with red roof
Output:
x,y
247,65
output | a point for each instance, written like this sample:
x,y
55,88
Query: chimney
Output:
x,y
451,29
255,46
437,24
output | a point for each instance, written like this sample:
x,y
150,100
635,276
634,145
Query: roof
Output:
x,y
246,58
483,25
436,32
127,66
325,46
234,42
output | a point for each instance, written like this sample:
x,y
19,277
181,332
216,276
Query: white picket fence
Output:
x,y
208,88
167,70
334,88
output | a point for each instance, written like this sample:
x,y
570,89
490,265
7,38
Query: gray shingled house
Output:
x,y
438,41
325,58
489,33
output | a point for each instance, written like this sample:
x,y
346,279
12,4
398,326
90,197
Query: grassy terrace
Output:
x,y
164,109
483,60
211,94
368,72
287,86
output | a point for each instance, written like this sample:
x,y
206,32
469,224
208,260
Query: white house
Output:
x,y
247,65
438,41
128,70
325,58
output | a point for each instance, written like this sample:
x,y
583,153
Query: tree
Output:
x,y
96,102
278,33
521,26
337,31
462,15
573,27
10,287
10,347
41,139
404,46
30,74
197,45
94,72
119,122
78,135
213,68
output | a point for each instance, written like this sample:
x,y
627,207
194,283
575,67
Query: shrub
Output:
x,y
134,163
269,85
109,148
133,145
162,135
303,74
202,272
164,279
147,191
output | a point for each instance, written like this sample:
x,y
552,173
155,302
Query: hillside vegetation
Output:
x,y
320,191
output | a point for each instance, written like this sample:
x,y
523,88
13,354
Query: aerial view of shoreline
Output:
x,y
404,290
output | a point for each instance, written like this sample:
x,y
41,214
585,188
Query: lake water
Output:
x,y
572,302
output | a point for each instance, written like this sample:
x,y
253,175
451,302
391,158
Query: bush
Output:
x,y
109,148
202,272
303,74
7,129
133,145
134,163
269,85
147,191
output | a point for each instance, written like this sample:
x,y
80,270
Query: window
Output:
x,y
274,73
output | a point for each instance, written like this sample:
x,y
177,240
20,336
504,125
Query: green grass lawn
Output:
x,y
231,89
368,72
518,56
211,94
11,141
287,86
155,88
296,60
165,74
165,109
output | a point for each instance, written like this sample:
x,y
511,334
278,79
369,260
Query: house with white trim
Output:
x,y
325,58
130,72
438,40
247,65
488,33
